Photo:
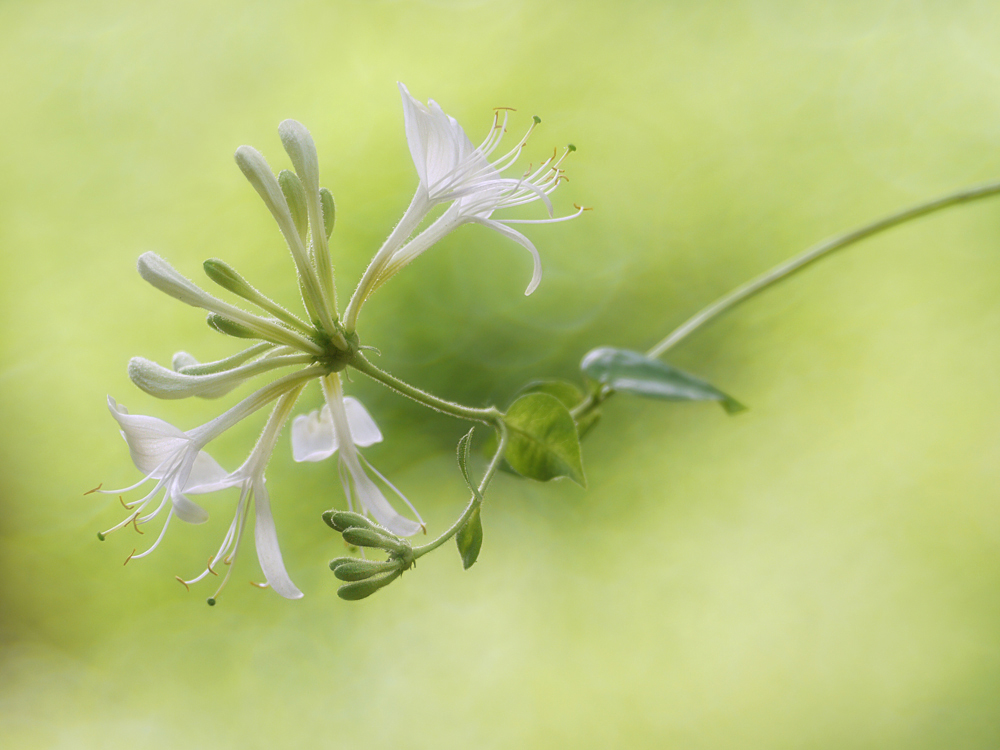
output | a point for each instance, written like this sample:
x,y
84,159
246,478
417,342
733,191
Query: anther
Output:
x,y
125,505
97,488
135,523
128,558
258,585
182,582
505,109
583,208
209,566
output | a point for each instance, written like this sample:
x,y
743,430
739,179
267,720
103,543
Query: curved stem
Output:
x,y
789,267
475,502
489,416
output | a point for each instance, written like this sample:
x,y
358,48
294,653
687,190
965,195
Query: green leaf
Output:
x,y
470,537
632,372
570,395
543,439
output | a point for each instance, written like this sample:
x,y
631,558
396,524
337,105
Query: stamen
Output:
x,y
135,525
101,536
96,489
209,566
183,582
259,585
125,505
128,558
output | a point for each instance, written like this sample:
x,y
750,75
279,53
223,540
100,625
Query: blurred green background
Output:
x,y
818,572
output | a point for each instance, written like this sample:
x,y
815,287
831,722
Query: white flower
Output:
x,y
175,461
452,170
343,425
177,464
253,492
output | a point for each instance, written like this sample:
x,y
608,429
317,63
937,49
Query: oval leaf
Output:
x,y
470,539
632,372
543,440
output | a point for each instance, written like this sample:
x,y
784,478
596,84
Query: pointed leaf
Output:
x,y
470,539
632,372
543,440
570,396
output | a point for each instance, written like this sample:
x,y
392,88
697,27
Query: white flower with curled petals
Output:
x,y
452,170
342,426
174,461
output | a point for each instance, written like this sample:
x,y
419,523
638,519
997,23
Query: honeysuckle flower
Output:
x,y
253,492
174,461
452,170
343,425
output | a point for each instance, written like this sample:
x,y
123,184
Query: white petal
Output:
x,y
536,274
414,116
268,552
364,431
207,476
371,497
187,510
151,441
313,437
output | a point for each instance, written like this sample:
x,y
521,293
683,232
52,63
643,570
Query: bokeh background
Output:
x,y
821,571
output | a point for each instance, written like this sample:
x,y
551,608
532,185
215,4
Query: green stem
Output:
x,y
791,266
491,415
476,500
813,254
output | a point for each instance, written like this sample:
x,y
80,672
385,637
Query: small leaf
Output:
x,y
567,393
570,396
470,539
632,372
543,439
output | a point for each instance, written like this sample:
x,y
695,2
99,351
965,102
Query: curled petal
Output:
x,y
364,431
536,274
151,441
313,437
268,552
374,501
187,510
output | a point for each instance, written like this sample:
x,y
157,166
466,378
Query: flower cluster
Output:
x,y
452,173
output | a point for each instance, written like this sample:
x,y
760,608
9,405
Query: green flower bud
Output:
x,y
362,589
360,570
372,538
329,210
295,195
229,327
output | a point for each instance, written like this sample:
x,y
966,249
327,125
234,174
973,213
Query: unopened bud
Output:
x,y
362,589
229,327
295,194
329,210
